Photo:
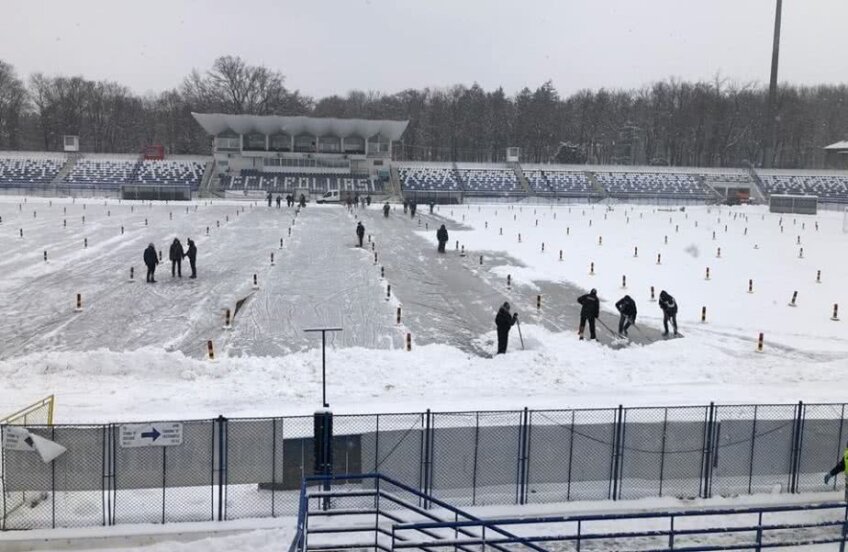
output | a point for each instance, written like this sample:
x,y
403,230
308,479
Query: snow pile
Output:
x,y
555,371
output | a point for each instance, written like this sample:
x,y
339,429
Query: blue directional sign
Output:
x,y
162,434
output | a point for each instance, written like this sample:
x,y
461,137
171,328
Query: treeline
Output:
x,y
671,122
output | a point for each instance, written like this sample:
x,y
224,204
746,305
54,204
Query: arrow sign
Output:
x,y
166,434
151,434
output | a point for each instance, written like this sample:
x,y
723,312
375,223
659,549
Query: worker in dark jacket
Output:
x,y
269,197
176,256
412,207
627,309
360,232
504,321
191,253
151,260
442,237
386,209
302,200
840,467
590,311
669,309
279,201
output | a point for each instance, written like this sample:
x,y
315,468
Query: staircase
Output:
x,y
66,168
375,512
522,179
458,176
716,198
757,187
209,182
593,180
395,190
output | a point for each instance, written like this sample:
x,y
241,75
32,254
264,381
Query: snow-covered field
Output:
x,y
137,351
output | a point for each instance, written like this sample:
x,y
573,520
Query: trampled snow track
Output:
x,y
178,313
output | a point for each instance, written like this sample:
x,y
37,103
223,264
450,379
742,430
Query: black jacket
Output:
x,y
627,306
591,305
504,320
360,230
668,304
442,234
176,253
192,252
840,467
150,256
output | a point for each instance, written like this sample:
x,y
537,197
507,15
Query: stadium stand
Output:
x,y
654,184
489,181
559,182
828,187
103,173
181,172
429,179
19,170
314,182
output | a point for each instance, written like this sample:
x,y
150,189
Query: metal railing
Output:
x,y
685,530
387,500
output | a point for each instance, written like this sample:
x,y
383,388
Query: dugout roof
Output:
x,y
216,123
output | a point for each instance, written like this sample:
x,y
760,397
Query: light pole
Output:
x,y
771,137
323,360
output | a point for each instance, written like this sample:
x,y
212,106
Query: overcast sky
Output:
x,y
332,46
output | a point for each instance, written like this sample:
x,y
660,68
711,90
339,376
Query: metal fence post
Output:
x,y
322,446
53,480
273,466
615,453
799,445
222,461
662,450
751,457
521,479
844,529
476,451
706,460
570,456
839,448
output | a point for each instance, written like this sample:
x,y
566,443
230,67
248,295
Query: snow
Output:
x,y
137,351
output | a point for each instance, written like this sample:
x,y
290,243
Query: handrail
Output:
x,y
670,533
299,543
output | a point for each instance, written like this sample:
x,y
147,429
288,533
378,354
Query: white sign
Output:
x,y
166,434
17,438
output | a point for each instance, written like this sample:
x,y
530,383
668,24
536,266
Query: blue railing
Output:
x,y
380,494
731,532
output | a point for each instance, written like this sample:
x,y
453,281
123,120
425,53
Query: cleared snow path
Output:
x,y
321,278
451,299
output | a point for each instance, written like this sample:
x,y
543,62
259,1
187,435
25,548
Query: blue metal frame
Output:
x,y
398,542
300,541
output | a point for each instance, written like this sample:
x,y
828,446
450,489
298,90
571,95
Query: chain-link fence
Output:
x,y
221,469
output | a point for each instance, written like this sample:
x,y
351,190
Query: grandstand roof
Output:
x,y
216,123
843,145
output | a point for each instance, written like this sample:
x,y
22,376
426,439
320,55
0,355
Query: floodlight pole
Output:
x,y
323,360
771,138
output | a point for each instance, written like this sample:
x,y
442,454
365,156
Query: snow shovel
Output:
x,y
521,337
